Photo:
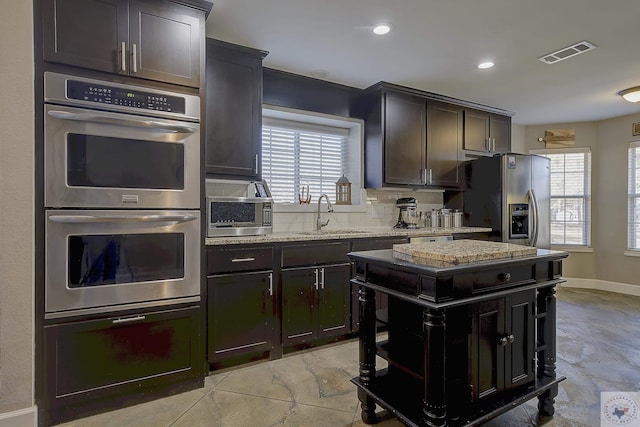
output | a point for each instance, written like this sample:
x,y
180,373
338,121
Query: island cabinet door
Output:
x,y
487,355
334,299
520,328
299,314
502,344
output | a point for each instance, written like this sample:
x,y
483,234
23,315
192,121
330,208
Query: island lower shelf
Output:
x,y
407,406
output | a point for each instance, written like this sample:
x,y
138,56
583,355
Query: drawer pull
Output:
x,y
315,271
249,259
505,276
506,340
322,278
128,320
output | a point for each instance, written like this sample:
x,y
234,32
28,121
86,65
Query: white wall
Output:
x,y
608,140
16,213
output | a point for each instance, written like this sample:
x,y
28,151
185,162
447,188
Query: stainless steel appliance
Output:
x,y
129,157
109,145
248,214
407,215
511,194
96,260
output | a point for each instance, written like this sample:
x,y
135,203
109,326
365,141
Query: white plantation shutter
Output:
x,y
570,195
633,239
296,154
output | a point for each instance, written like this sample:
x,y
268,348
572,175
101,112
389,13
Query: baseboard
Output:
x,y
602,285
23,418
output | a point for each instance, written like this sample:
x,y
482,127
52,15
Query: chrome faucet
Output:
x,y
319,222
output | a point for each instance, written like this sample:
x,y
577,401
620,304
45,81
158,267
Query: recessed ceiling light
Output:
x,y
487,64
381,29
319,74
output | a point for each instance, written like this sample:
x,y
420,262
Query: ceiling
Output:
x,y
435,45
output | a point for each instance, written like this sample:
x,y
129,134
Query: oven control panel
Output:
x,y
105,94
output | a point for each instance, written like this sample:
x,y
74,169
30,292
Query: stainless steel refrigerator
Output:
x,y
511,194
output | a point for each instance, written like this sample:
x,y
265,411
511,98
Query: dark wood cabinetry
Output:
x,y
502,344
240,287
233,110
156,40
411,139
487,133
315,298
444,139
463,356
88,360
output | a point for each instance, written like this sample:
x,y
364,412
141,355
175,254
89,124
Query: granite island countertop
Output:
x,y
359,233
453,252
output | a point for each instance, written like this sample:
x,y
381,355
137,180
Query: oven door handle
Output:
x,y
82,219
147,124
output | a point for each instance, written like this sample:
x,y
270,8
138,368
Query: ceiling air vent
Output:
x,y
567,52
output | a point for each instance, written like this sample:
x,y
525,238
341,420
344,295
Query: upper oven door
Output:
x,y
111,160
96,260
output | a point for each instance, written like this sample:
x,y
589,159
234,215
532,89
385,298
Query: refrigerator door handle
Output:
x,y
535,217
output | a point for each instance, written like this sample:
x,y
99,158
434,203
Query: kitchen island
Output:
x,y
469,338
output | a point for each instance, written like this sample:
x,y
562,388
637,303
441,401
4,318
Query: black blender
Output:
x,y
407,215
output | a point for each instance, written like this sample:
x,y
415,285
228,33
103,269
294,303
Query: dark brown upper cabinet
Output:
x,y
233,111
444,143
409,139
486,132
156,40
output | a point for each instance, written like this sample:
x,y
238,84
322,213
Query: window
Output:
x,y
570,195
633,239
308,157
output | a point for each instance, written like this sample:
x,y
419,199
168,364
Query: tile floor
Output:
x,y
598,350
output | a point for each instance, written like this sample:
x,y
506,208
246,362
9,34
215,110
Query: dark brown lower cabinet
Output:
x,y
315,303
96,359
502,344
240,311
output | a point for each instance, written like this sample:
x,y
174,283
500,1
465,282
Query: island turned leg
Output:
x,y
435,408
367,299
546,368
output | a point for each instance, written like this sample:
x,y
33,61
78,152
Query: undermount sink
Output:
x,y
331,232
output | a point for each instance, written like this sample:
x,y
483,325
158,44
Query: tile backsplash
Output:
x,y
379,211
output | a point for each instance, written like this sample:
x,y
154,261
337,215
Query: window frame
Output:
x,y
313,121
586,197
631,198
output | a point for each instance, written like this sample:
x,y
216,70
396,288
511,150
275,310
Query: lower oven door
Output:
x,y
97,261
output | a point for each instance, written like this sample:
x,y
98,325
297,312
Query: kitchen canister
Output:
x,y
457,219
446,218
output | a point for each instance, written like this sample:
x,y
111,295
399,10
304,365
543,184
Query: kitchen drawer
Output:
x,y
239,259
315,254
489,280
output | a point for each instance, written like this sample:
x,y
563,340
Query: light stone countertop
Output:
x,y
341,234
463,251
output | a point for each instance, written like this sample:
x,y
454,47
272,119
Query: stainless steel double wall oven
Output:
x,y
122,192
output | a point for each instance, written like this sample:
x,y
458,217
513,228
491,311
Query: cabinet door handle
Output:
x,y
270,284
128,320
430,176
423,177
322,278
249,259
511,338
123,57
493,144
503,341
255,169
316,283
135,58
